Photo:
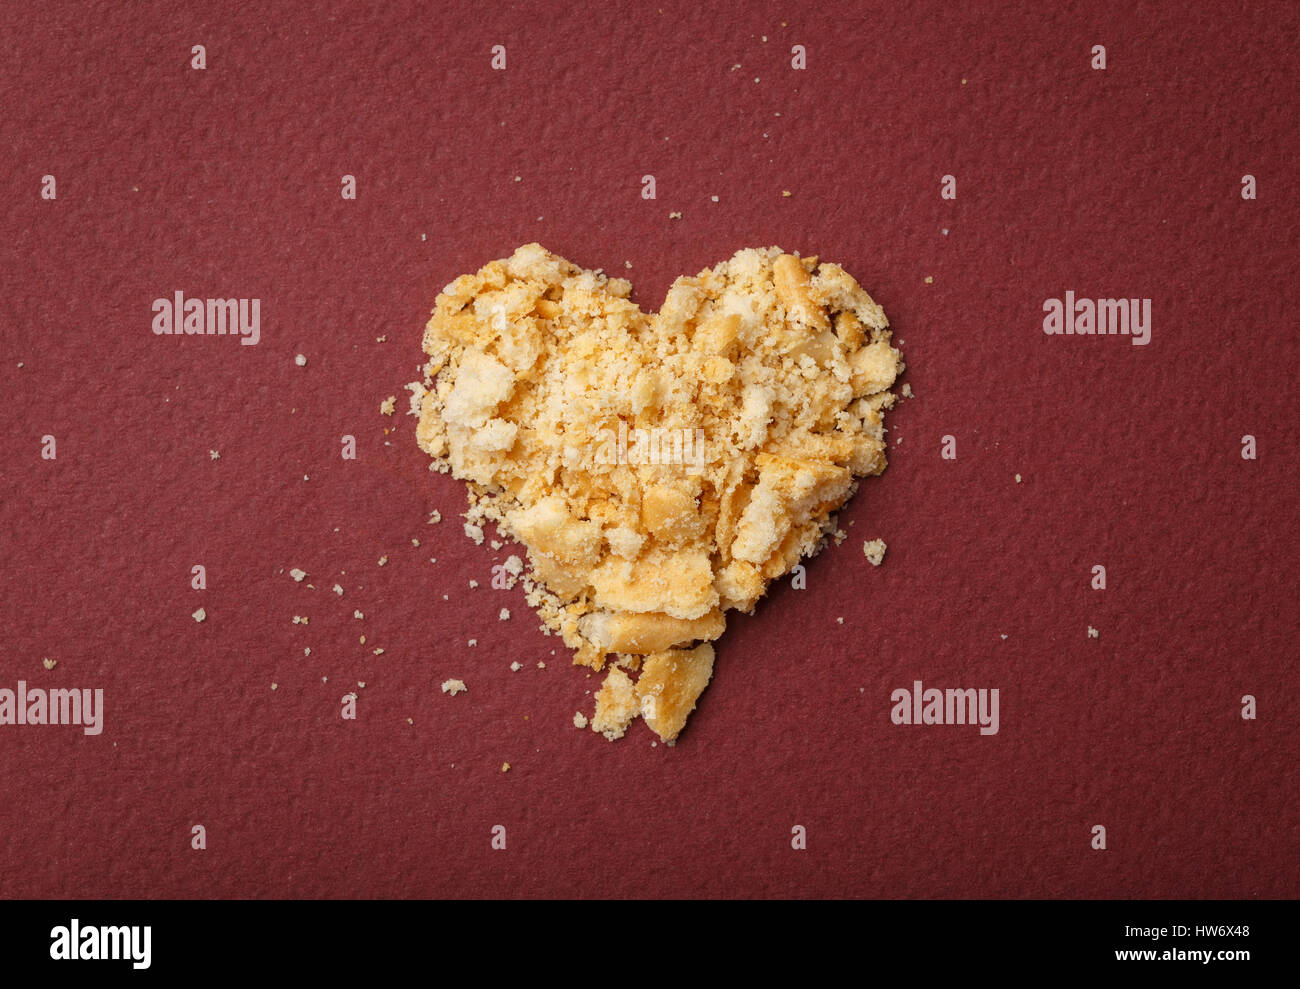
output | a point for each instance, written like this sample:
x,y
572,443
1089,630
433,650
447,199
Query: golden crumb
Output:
x,y
579,720
297,574
929,279
389,405
660,469
453,687
49,664
875,551
505,767
785,193
202,615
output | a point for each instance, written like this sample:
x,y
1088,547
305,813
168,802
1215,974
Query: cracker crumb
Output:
x,y
505,766
383,560
300,360
357,614
840,620
541,665
674,216
384,338
297,574
275,686
929,279
714,198
389,405
338,589
415,542
378,651
875,551
785,193
472,642
1017,478
200,616
453,687
504,615
579,720
49,664
473,584
301,620
516,666
306,650
785,364
214,454
1093,633
434,517
906,390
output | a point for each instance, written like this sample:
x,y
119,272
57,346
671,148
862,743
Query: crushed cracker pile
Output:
x,y
661,469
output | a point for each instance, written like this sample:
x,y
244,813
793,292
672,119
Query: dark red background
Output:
x,y
225,182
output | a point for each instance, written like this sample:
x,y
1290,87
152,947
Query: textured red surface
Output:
x,y
225,182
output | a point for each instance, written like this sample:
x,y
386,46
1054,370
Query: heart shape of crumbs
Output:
x,y
663,468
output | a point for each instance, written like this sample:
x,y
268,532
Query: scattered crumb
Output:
x,y
1093,633
504,615
1017,478
906,390
275,686
516,666
214,454
201,615
840,620
541,665
300,620
307,651
473,584
674,216
297,574
1004,638
300,360
714,198
361,684
384,338
474,532
453,687
383,560
929,279
626,264
363,640
338,589
388,405
434,517
49,664
415,542
785,193
875,551
579,720
472,642
378,651
357,614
